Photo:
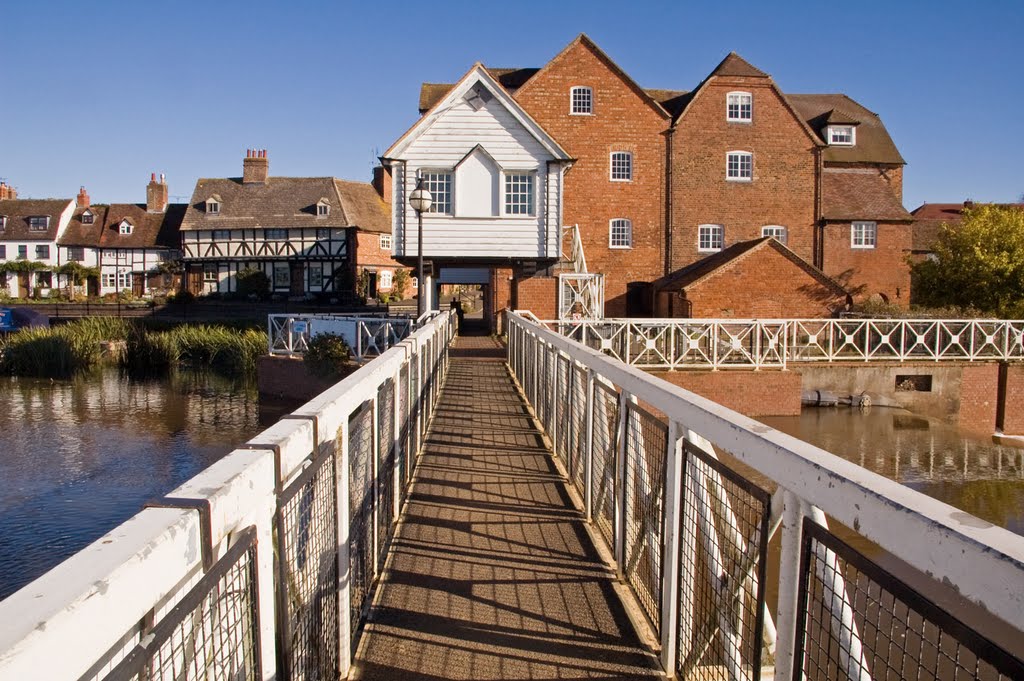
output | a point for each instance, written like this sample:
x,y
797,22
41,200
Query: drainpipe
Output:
x,y
819,225
668,200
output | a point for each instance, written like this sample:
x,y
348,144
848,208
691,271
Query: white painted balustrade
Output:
x,y
367,336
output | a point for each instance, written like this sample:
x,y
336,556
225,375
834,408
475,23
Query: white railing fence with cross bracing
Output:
x,y
687,494
367,336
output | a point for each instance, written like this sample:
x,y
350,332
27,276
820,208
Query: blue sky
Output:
x,y
104,93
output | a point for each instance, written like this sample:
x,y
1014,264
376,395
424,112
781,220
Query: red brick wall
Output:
x,y
978,397
370,254
868,271
1013,414
537,294
782,191
501,290
752,393
763,284
621,121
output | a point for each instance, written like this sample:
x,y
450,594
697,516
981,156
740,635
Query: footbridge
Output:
x,y
468,508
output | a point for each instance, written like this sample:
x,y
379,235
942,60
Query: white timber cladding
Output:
x,y
480,144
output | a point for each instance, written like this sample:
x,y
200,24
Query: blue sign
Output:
x,y
6,319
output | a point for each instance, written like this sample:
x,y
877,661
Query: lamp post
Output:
x,y
420,199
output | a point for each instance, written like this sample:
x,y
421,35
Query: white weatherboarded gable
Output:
x,y
481,137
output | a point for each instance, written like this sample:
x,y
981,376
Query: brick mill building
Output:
x,y
658,180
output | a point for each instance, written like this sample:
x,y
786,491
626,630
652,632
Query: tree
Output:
x,y
400,284
253,282
979,263
76,274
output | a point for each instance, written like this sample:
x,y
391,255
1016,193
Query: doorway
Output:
x,y
138,284
23,284
298,277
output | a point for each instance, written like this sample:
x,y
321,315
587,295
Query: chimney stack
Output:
x,y
83,198
256,167
382,182
968,204
156,194
7,192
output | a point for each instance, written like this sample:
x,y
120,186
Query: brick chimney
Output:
x,y
382,182
156,194
83,198
256,166
968,204
7,192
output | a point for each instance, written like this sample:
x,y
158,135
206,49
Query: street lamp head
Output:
x,y
421,199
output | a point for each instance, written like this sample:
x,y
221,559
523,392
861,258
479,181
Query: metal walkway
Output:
x,y
492,574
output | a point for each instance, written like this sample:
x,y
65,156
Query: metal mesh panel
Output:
x,y
385,466
646,442
307,580
542,403
606,423
212,633
724,540
414,411
360,451
578,429
407,455
858,621
563,405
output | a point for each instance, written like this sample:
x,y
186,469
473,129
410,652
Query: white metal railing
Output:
x,y
317,495
367,336
757,343
685,527
576,255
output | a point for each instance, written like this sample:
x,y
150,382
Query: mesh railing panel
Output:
x,y
212,633
646,442
606,423
563,406
360,453
858,621
385,467
724,529
578,430
406,455
414,411
307,579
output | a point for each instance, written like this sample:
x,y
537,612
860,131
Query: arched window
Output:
x,y
620,233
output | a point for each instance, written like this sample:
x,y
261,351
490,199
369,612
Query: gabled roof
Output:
x,y
859,194
149,230
735,65
510,79
81,234
697,272
18,211
873,142
477,74
285,202
929,219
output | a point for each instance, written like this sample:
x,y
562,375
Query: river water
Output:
x,y
79,457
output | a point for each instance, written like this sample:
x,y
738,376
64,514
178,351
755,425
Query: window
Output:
x,y
739,107
125,227
581,101
3,252
275,234
739,166
210,273
620,233
76,253
221,234
38,224
44,279
776,231
439,184
519,194
282,275
213,205
322,233
3,222
87,218
316,277
385,242
42,252
385,279
120,281
323,209
622,166
710,238
844,135
415,283
863,234
22,252
107,280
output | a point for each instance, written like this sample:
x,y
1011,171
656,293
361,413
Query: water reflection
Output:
x,y
79,457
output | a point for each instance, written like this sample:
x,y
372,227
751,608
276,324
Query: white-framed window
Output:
x,y
385,279
519,193
739,166
107,280
620,233
44,279
87,217
282,275
621,166
739,107
275,234
710,238
212,207
119,281
76,253
777,231
210,274
3,252
222,235
323,209
439,184
385,242
415,283
842,135
43,252
39,223
581,101
22,252
125,227
316,277
863,234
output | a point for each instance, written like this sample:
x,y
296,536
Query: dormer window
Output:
x,y
3,222
39,223
87,217
842,135
581,101
323,209
213,205
739,107
124,227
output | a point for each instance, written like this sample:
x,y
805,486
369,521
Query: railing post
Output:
x,y
375,478
621,444
588,451
789,586
670,548
397,447
344,560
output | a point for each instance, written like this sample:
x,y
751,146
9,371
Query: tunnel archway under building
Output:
x,y
469,287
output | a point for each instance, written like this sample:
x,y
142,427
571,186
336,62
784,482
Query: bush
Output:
x,y
182,297
253,282
327,356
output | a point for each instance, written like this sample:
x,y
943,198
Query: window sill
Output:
x,y
862,248
740,121
615,179
581,114
620,248
709,250
740,180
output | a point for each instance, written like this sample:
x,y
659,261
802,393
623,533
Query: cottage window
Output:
x,y
519,194
620,233
210,274
38,224
739,166
87,218
415,283
622,166
842,135
107,280
776,231
44,279
76,253
213,207
323,209
739,107
385,242
3,252
22,252
222,235
316,277
275,234
439,184
125,227
863,234
385,279
710,238
581,101
323,233
282,275
42,252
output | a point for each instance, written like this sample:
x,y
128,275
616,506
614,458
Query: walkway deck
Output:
x,y
492,574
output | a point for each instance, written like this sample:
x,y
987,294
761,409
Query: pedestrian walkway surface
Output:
x,y
492,574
